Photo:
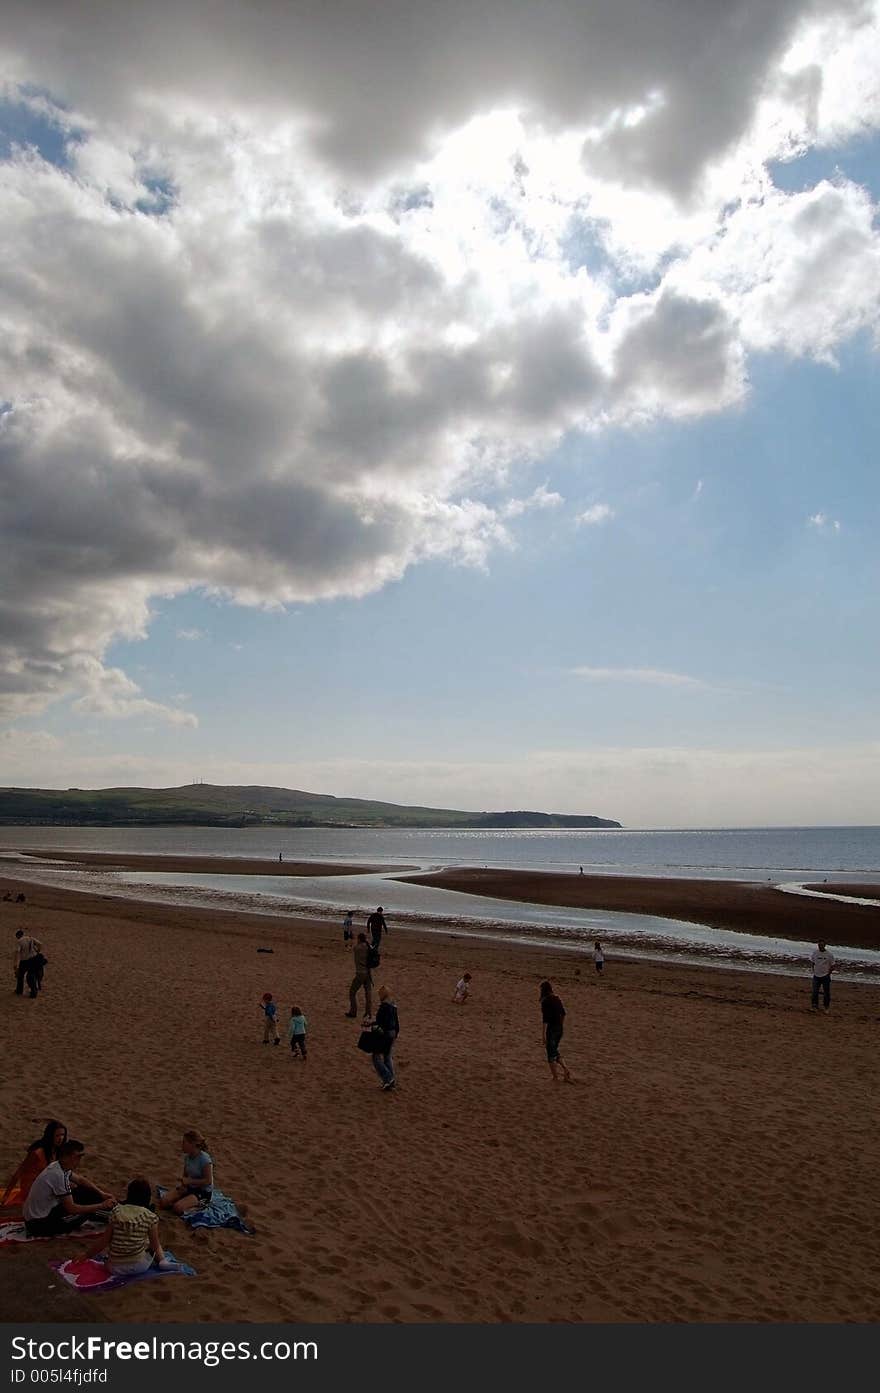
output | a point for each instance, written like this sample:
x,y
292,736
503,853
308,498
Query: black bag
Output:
x,y
373,958
371,1041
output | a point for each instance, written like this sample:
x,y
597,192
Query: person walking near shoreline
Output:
x,y
823,965
553,1015
376,926
362,978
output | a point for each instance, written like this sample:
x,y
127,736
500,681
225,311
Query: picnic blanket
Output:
x,y
16,1232
93,1274
221,1213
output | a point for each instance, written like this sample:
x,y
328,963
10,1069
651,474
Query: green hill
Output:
x,y
219,805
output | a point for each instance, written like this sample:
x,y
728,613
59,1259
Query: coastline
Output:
x,y
739,906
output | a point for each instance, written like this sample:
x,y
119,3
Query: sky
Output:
x,y
465,405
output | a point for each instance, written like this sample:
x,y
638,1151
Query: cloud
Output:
x,y
823,523
265,339
598,512
31,742
541,499
109,692
649,676
661,91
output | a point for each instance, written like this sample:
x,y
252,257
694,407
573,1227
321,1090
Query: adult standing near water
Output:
x,y
27,950
823,965
553,1016
362,978
385,1031
376,926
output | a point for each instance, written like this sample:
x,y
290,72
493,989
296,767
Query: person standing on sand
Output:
x,y
270,1021
385,1031
26,952
598,958
348,929
823,965
296,1032
553,1015
362,978
376,926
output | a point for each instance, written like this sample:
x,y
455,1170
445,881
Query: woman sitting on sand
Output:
x,y
38,1156
196,1187
132,1235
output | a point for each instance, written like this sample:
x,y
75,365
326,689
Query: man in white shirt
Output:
x,y
26,949
823,966
59,1200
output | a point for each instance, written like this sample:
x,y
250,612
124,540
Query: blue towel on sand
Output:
x,y
221,1213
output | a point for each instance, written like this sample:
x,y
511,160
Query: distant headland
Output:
x,y
230,805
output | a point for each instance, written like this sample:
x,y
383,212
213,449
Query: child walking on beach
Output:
x,y
462,989
348,930
296,1031
598,958
270,1022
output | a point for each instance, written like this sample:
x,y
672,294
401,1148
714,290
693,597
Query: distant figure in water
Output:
x,y
280,857
553,1015
581,869
598,957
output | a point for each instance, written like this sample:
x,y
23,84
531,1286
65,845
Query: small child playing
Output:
x,y
598,957
462,989
348,929
270,1023
296,1031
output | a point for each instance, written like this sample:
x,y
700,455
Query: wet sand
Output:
x,y
204,865
680,1179
743,906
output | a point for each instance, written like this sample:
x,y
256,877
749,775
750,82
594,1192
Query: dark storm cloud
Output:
x,y
376,80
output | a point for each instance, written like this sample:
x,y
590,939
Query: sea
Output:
x,y
784,856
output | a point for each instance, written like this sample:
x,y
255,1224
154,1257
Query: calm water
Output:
x,y
781,854
751,853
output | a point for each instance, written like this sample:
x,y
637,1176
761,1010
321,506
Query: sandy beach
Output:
x,y
716,1160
